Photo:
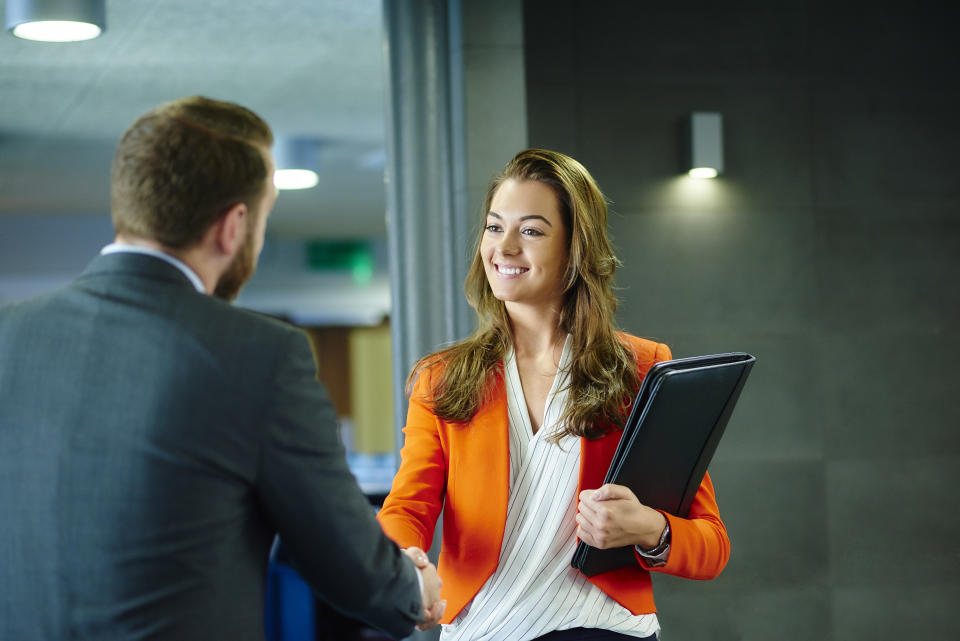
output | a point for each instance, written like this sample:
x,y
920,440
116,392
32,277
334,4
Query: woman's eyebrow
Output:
x,y
522,218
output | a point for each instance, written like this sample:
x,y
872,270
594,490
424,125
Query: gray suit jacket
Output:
x,y
152,442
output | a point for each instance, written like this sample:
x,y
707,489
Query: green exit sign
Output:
x,y
352,256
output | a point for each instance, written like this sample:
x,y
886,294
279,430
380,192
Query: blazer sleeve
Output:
x,y
310,496
409,514
699,545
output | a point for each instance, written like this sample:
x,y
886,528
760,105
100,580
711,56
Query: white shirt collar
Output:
x,y
556,398
117,248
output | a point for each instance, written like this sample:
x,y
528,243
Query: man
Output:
x,y
154,439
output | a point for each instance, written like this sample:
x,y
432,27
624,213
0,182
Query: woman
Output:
x,y
511,432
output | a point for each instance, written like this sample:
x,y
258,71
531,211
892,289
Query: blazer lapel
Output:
x,y
595,457
490,447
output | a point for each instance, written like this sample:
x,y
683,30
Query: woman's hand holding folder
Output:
x,y
612,516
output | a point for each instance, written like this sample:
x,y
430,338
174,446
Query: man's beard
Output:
x,y
239,271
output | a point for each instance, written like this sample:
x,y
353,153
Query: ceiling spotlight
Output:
x,y
56,20
296,163
705,153
295,178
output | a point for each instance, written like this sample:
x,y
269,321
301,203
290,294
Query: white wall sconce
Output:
x,y
296,163
705,153
56,20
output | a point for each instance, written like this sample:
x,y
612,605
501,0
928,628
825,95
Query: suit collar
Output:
x,y
138,265
117,247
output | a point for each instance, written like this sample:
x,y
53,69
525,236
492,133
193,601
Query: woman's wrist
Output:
x,y
657,557
654,537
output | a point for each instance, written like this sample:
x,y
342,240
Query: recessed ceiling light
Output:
x,y
295,179
57,31
56,20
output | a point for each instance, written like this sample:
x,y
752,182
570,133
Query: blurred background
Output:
x,y
829,245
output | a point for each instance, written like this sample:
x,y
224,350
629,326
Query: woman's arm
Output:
x,y
699,545
611,516
410,512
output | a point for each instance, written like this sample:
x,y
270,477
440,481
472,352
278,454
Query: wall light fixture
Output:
x,y
705,154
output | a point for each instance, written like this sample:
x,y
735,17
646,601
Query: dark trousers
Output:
x,y
590,634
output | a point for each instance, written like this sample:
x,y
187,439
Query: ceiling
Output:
x,y
310,67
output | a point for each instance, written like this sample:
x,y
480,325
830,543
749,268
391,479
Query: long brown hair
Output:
x,y
602,377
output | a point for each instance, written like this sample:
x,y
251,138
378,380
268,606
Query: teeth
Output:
x,y
510,270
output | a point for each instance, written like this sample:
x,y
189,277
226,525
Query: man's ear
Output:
x,y
230,230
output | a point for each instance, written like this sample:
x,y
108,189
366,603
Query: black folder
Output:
x,y
673,430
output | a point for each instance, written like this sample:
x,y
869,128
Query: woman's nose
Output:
x,y
509,243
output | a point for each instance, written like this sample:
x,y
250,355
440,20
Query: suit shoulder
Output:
x,y
644,348
645,351
254,321
269,323
34,305
426,373
246,333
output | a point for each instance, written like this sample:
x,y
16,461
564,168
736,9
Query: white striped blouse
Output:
x,y
534,590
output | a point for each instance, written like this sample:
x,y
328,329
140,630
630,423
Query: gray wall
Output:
x,y
490,54
830,249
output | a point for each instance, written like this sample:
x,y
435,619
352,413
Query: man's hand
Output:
x,y
613,517
433,606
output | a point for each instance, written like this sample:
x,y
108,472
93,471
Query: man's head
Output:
x,y
182,166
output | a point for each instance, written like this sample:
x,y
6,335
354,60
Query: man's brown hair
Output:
x,y
182,165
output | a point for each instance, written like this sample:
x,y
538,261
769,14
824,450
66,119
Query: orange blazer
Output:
x,y
464,469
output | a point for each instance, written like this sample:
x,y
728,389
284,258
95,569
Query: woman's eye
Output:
x,y
493,228
532,232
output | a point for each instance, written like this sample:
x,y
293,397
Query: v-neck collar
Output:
x,y
556,397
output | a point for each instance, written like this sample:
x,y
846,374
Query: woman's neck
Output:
x,y
536,331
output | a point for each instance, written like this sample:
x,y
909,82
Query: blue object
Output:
x,y
289,610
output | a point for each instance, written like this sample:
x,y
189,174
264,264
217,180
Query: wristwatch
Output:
x,y
658,551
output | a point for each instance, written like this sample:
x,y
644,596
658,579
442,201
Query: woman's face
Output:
x,y
524,244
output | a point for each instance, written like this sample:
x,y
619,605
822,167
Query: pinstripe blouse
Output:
x,y
534,590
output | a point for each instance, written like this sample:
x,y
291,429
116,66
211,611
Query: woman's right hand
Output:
x,y
433,606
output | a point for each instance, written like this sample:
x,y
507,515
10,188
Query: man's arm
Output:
x,y
326,523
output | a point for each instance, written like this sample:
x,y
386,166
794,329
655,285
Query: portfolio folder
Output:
x,y
673,430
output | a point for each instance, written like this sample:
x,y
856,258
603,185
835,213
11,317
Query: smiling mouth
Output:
x,y
510,270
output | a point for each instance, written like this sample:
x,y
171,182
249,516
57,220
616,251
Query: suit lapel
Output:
x,y
494,442
595,457
490,443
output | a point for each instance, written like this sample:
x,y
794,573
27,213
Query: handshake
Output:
x,y
433,607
